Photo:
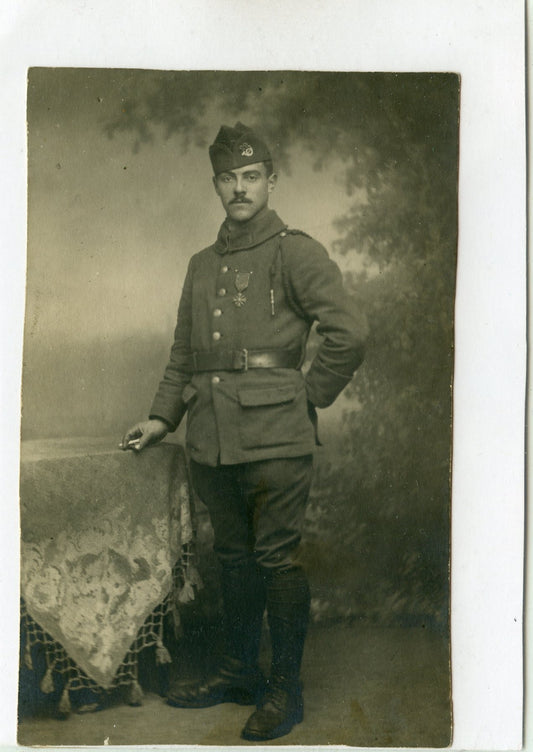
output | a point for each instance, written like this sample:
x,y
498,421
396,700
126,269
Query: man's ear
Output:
x,y
272,180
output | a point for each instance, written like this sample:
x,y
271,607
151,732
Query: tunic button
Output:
x,y
215,380
224,269
283,234
222,292
217,312
216,336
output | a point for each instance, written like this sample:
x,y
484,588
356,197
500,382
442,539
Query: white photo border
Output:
x,y
484,42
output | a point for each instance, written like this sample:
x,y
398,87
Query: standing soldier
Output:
x,y
246,309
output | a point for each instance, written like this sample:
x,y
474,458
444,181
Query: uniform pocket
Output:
x,y
273,416
267,396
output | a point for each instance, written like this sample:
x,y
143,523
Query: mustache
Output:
x,y
240,201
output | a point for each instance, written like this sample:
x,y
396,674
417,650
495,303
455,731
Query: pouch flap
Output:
x,y
267,395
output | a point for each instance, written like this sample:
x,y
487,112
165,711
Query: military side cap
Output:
x,y
237,147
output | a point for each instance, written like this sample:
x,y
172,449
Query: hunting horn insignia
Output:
x,y
246,150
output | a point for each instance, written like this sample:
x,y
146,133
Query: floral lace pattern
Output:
x,y
101,532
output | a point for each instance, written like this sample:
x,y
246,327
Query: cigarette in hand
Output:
x,y
132,444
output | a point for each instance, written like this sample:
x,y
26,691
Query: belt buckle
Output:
x,y
243,359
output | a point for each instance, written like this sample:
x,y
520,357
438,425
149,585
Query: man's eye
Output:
x,y
252,178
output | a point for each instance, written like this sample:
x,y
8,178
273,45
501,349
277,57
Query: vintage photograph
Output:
x,y
235,477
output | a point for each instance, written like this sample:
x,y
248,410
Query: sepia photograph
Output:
x,y
235,475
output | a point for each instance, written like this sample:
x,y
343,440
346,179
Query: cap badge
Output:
x,y
246,150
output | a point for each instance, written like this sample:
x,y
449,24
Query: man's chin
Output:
x,y
241,212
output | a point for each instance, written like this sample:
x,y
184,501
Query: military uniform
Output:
x,y
238,411
244,317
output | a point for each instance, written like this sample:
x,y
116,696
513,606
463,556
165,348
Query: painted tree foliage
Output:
x,y
386,475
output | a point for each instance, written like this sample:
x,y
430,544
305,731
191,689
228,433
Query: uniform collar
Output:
x,y
239,236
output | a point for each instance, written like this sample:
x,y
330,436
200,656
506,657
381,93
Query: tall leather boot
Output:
x,y
238,678
288,601
244,601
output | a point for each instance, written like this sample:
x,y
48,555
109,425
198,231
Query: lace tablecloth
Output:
x,y
101,530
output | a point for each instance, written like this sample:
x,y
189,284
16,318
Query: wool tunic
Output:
x,y
259,287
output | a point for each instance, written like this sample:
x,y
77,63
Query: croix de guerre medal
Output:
x,y
241,283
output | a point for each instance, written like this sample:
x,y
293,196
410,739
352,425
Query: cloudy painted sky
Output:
x,y
110,231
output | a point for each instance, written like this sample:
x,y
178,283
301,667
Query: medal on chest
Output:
x,y
242,280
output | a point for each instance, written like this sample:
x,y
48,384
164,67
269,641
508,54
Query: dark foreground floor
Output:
x,y
364,686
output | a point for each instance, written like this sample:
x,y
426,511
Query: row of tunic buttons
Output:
x,y
223,270
217,313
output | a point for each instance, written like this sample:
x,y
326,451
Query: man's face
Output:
x,y
244,190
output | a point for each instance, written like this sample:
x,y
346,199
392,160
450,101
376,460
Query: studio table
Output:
x,y
106,555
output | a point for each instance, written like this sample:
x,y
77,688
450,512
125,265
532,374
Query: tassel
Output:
x,y
47,682
28,662
186,594
191,581
162,655
136,694
193,576
64,708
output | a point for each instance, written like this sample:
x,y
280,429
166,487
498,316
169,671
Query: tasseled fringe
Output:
x,y
136,694
47,682
28,662
192,580
64,708
193,576
162,655
186,594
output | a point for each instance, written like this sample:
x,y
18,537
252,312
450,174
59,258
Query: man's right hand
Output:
x,y
144,434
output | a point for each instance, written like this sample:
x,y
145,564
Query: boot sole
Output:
x,y
281,730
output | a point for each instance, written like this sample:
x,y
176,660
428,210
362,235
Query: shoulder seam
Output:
x,y
294,231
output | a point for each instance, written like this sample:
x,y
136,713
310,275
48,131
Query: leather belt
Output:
x,y
242,360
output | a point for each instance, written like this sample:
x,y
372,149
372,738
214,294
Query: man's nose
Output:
x,y
239,187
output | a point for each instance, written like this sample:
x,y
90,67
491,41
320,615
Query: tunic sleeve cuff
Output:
x,y
323,385
164,420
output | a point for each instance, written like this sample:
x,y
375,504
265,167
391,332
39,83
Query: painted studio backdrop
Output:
x,y
120,197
